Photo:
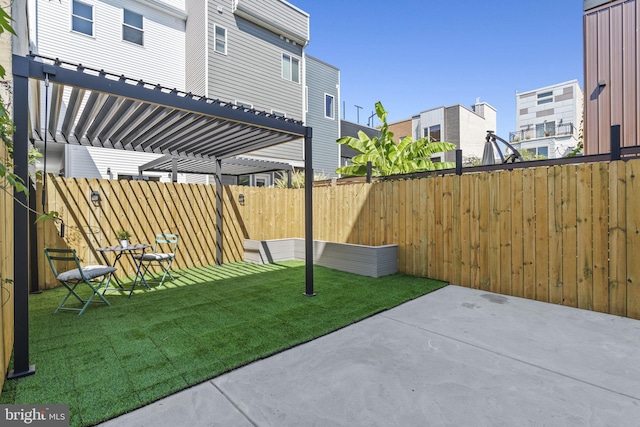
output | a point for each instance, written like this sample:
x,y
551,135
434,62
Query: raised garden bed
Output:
x,y
372,261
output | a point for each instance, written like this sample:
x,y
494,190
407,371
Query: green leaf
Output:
x,y
444,165
48,216
352,170
381,112
5,20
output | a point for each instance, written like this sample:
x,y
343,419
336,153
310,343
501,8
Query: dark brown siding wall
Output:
x,y
611,49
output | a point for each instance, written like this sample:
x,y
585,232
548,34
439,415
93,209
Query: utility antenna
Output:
x,y
358,108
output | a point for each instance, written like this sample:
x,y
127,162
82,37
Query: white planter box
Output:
x,y
373,261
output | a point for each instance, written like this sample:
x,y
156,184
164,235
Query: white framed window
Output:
x,y
329,106
82,18
433,132
220,41
537,152
542,151
290,68
132,27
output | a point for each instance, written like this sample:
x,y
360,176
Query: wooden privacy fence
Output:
x,y
6,270
562,234
144,208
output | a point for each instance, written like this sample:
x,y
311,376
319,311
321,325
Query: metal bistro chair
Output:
x,y
71,279
157,257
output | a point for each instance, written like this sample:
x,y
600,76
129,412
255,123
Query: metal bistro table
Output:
x,y
119,251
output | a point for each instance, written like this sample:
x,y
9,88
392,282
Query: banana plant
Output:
x,y
389,158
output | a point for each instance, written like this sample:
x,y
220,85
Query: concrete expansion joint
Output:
x,y
506,356
234,404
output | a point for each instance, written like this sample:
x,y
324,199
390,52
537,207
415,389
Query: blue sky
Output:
x,y
418,55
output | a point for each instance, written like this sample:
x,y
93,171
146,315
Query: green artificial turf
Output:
x,y
112,360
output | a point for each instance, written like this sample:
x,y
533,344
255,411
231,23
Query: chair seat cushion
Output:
x,y
90,272
154,257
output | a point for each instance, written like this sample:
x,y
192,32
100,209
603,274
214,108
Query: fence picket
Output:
x,y
585,238
465,198
554,191
600,192
528,234
569,237
541,233
617,239
517,244
633,238
504,211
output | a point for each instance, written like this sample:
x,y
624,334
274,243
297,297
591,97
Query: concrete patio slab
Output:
x,y
454,357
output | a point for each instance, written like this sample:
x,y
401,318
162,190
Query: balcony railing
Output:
x,y
527,134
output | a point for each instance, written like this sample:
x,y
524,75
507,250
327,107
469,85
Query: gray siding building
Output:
x,y
323,114
253,57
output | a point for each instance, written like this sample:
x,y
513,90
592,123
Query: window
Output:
x,y
433,132
220,44
82,18
534,153
290,68
545,97
125,177
545,129
132,27
329,106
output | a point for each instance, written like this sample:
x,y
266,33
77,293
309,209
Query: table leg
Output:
x,y
112,275
138,274
118,256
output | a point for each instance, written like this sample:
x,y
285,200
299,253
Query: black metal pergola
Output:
x,y
112,111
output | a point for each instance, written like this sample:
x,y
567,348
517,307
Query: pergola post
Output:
x,y
308,211
21,367
218,179
174,169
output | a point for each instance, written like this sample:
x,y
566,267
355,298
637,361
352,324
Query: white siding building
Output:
x,y
548,119
143,39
